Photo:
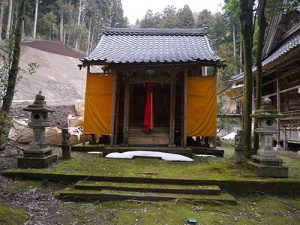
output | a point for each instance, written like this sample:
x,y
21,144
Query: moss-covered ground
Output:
x,y
261,210
12,216
201,169
255,209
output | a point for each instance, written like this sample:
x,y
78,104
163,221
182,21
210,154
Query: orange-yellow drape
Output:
x,y
98,104
201,106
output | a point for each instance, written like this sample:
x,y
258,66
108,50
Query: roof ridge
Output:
x,y
155,31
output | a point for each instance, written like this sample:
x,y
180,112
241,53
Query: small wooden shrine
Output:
x,y
151,86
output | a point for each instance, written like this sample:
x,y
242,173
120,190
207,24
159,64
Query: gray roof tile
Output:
x,y
282,50
120,45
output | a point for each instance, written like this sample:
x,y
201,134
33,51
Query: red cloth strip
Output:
x,y
148,116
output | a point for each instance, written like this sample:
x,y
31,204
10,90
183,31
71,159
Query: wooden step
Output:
x,y
155,129
149,187
114,195
157,136
139,132
148,140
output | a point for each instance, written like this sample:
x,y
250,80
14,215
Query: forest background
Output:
x,y
78,24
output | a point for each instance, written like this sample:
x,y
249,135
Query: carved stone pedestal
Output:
x,y
37,160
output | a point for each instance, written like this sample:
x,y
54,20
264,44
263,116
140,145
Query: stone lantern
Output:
x,y
266,155
39,154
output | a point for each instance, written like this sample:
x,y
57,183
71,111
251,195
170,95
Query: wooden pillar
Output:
x,y
278,109
113,110
172,110
126,113
285,143
117,111
88,69
185,92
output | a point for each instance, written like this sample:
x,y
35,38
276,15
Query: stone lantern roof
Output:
x,y
39,105
266,110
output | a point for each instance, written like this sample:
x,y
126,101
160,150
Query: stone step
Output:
x,y
149,187
115,195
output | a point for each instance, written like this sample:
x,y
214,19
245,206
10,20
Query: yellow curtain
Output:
x,y
98,104
202,106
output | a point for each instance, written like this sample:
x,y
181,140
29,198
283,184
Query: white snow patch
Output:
x,y
229,136
162,155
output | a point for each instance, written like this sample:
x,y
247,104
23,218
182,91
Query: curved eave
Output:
x,y
89,62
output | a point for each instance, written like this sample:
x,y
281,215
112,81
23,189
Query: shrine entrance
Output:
x,y
158,106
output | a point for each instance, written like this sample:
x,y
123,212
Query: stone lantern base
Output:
x,y
267,161
269,167
37,158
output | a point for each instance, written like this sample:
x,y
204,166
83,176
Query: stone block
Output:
x,y
271,171
238,155
267,161
36,162
268,153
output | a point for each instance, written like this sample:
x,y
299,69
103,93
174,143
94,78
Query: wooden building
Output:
x,y
158,86
281,75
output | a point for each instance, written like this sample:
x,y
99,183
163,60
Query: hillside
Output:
x,y
57,76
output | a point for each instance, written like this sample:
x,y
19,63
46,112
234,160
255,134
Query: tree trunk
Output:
x,y
89,37
65,33
61,26
246,7
35,17
261,34
1,18
92,40
9,19
13,71
241,54
78,24
234,46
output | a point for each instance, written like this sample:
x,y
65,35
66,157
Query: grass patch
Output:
x,y
12,216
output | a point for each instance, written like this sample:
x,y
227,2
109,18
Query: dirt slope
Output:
x,y
53,47
58,76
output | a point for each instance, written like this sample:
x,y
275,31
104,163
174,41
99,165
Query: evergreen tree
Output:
x,y
205,18
185,18
169,17
150,20
117,18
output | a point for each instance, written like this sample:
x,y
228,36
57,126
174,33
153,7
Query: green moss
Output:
x,y
11,216
22,185
90,165
249,211
264,210
293,164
